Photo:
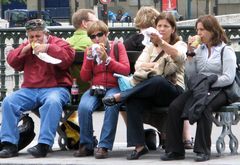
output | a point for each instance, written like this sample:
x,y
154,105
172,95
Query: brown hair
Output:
x,y
211,24
145,17
79,16
171,20
97,26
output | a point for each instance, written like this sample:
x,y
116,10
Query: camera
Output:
x,y
98,90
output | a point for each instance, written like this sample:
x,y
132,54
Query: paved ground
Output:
x,y
118,155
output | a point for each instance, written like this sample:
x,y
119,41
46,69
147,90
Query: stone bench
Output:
x,y
224,117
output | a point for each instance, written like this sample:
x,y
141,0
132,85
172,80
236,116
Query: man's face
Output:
x,y
36,36
91,18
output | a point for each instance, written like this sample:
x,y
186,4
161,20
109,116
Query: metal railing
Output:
x,y
11,38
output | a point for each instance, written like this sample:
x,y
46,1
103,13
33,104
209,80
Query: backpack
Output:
x,y
26,132
72,129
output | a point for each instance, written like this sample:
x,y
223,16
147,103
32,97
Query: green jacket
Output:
x,y
80,40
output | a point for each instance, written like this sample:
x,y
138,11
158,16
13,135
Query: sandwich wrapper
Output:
x,y
45,57
146,33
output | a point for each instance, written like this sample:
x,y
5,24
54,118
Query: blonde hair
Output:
x,y
145,17
97,26
79,16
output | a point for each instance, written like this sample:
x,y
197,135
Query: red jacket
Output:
x,y
39,74
102,74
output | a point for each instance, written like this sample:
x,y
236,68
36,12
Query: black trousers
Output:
x,y
156,91
204,124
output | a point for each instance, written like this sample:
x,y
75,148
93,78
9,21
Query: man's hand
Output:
x,y
40,48
26,49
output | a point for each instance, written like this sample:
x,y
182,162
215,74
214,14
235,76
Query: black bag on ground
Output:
x,y
26,131
151,138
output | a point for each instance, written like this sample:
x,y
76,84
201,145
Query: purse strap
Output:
x,y
222,58
158,56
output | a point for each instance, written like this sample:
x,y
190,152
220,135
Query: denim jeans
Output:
x,y
50,102
87,106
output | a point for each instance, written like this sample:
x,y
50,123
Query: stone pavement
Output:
x,y
118,155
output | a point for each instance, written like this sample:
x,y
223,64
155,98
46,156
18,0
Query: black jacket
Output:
x,y
134,42
202,94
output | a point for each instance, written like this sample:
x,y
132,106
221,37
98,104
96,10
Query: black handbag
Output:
x,y
232,91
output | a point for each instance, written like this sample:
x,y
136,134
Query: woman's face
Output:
x,y
203,33
165,29
98,37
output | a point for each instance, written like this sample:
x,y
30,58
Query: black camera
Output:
x,y
98,90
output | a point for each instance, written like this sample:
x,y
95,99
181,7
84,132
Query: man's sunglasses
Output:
x,y
34,24
96,35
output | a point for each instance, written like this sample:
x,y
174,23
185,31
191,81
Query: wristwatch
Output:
x,y
191,54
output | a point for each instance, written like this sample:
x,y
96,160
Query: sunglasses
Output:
x,y
96,35
31,25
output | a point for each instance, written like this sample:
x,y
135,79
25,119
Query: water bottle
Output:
x,y
74,92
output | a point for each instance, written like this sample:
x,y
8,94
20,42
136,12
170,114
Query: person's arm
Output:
x,y
176,51
122,66
229,68
16,57
86,72
61,49
144,58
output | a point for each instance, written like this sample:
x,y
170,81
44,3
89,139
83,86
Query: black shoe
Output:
x,y
172,156
109,100
201,157
135,155
40,150
8,150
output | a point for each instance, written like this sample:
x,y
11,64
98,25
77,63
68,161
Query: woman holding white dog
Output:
x,y
98,67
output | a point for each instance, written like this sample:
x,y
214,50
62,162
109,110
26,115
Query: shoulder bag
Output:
x,y
232,91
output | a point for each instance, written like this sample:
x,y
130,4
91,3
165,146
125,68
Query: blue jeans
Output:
x,y
50,102
87,106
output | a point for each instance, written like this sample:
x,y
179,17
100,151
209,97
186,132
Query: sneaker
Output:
x,y
83,151
101,153
8,150
40,150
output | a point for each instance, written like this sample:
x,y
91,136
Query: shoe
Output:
x,y
83,151
109,100
201,157
8,150
39,150
172,156
135,155
101,153
188,144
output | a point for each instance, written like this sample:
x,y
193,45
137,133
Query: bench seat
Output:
x,y
225,117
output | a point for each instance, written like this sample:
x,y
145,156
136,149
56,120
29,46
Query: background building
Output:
x,y
63,9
